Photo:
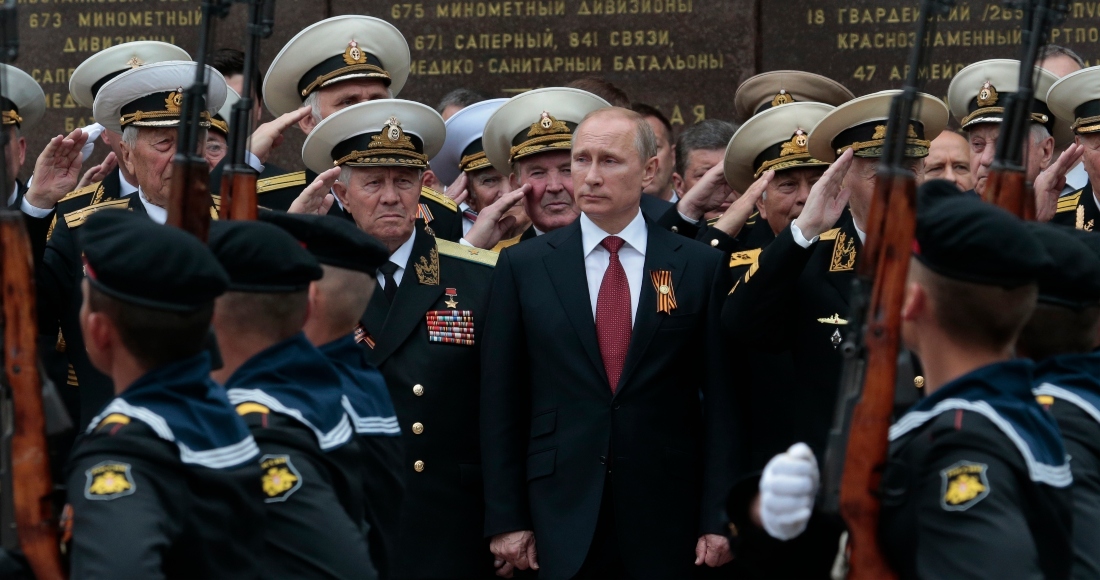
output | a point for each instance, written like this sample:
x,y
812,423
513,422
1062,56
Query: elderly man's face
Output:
x,y
983,147
786,196
1091,145
698,163
550,204
343,95
949,158
150,162
383,202
486,186
215,150
608,171
1061,65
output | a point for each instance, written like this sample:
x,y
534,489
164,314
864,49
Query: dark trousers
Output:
x,y
604,559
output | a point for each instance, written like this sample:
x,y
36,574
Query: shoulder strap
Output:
x,y
468,253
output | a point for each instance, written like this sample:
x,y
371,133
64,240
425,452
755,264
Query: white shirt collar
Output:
x,y
634,234
156,213
401,255
14,194
862,234
124,187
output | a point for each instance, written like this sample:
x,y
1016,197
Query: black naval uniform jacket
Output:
x,y
977,483
166,484
434,387
276,188
1078,210
553,434
290,396
1069,387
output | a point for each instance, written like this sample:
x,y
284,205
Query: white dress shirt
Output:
x,y
467,225
11,198
401,258
156,213
631,255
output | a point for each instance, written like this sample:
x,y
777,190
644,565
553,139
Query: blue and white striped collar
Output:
x,y
366,398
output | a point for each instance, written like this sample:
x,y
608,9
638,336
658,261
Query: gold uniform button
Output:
x,y
418,390
714,243
418,466
675,229
918,382
418,428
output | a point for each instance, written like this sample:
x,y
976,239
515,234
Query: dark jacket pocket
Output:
x,y
544,423
677,321
469,474
541,464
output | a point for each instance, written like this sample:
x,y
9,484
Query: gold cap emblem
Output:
x,y
987,95
547,125
796,146
353,54
782,98
393,130
134,62
174,101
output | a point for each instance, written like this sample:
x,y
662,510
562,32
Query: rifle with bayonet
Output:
x,y
189,199
1007,186
29,522
238,186
858,442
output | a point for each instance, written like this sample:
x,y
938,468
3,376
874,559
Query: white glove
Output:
x,y
93,132
787,491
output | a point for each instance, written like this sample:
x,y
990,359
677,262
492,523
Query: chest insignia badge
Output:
x,y
109,480
280,478
844,254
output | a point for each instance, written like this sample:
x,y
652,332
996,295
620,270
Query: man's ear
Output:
x,y
430,180
678,183
307,124
760,207
649,172
1048,151
22,146
915,303
341,192
513,182
127,158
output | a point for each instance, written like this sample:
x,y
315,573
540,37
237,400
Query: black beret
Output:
x,y
964,238
1074,281
133,259
333,241
262,258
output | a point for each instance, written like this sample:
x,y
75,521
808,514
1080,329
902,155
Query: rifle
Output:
x,y
1007,187
189,199
238,187
858,441
24,457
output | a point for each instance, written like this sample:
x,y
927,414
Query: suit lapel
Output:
x,y
661,254
413,300
566,268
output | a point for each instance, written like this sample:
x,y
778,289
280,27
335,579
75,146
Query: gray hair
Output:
x,y
1053,50
707,134
346,171
645,141
314,104
459,98
130,135
1039,133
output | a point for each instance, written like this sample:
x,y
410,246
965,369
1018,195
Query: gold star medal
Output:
x,y
452,298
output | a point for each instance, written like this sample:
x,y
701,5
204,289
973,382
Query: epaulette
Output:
x,y
76,218
249,408
82,191
744,258
439,198
1069,202
280,182
830,235
468,253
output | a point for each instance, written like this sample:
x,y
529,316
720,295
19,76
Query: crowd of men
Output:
x,y
538,337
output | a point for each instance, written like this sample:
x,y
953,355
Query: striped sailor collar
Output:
x,y
181,404
293,378
366,398
1002,393
1072,377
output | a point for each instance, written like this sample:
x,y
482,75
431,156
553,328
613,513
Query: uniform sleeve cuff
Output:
x,y
253,162
801,239
35,212
687,219
465,243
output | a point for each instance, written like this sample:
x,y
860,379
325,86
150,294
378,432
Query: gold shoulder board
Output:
x,y
831,234
114,418
744,258
82,191
468,253
77,218
1069,202
280,182
429,193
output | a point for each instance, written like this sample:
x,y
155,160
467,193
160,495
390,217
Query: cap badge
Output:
x,y
134,62
796,146
354,55
174,101
987,95
547,125
392,136
782,98
880,132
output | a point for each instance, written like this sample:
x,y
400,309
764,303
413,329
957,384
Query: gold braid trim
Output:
x,y
466,162
12,118
358,155
138,116
220,125
526,146
321,80
1037,117
1078,126
861,145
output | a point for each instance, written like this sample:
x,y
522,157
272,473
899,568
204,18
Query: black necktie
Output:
x,y
390,288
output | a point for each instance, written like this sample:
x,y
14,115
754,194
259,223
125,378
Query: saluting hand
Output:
x,y
57,170
268,136
492,222
707,194
741,210
1051,182
459,191
317,199
514,550
99,172
827,199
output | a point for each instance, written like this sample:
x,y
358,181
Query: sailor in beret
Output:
x,y
291,397
1061,338
977,97
350,259
422,328
529,139
1076,98
978,463
477,184
57,169
146,101
163,481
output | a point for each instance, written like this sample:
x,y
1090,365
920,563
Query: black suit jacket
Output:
x,y
552,431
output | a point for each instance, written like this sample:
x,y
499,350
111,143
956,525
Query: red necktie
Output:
x,y
613,314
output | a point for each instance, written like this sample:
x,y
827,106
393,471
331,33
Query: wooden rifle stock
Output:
x,y
868,437
31,484
1009,190
239,195
189,202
